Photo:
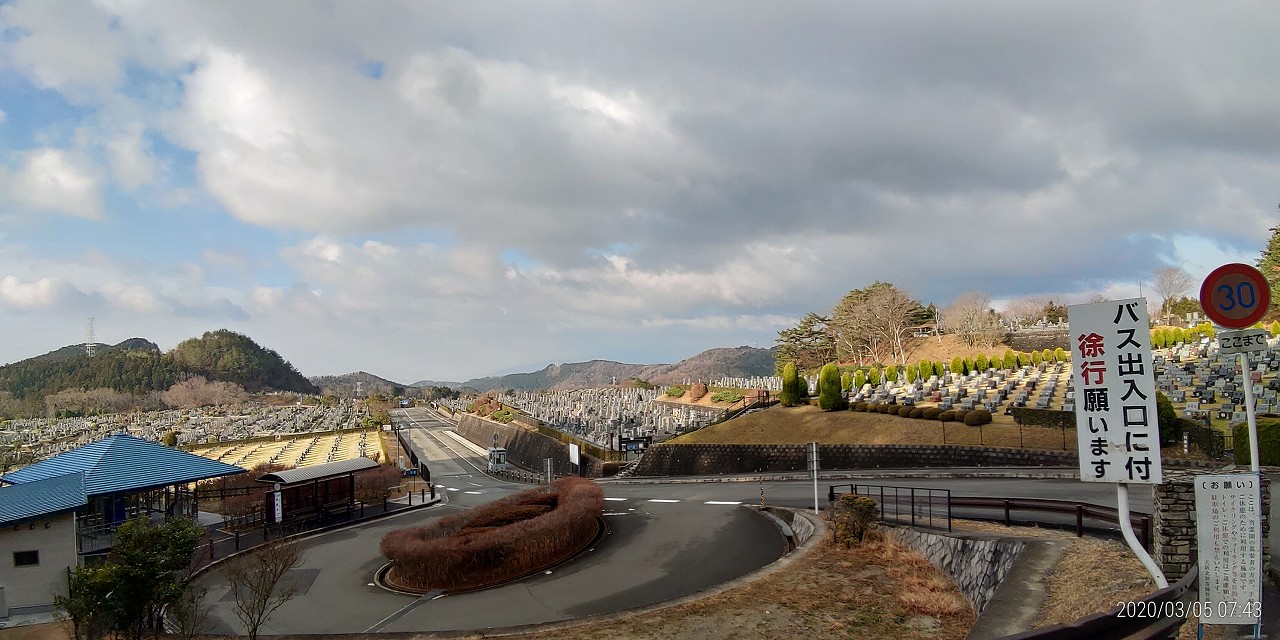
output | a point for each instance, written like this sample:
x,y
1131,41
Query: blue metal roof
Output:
x,y
121,463
42,498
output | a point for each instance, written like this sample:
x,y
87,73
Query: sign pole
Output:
x,y
1126,527
813,462
1249,412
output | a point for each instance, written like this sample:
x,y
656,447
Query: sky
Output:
x,y
444,190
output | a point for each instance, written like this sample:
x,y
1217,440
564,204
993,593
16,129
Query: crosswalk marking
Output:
x,y
662,500
450,488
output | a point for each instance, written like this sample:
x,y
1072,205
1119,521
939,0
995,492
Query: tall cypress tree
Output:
x,y
790,394
1269,265
829,398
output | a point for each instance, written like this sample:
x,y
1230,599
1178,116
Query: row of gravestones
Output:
x,y
599,414
44,438
1213,383
989,389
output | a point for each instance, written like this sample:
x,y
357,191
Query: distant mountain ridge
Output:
x,y
711,364
345,385
137,366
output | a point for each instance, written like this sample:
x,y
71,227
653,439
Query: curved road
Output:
x,y
666,540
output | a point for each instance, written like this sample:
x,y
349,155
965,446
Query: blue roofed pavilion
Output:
x,y
107,482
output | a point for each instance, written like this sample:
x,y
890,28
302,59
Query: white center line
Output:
x,y
615,499
721,502
662,500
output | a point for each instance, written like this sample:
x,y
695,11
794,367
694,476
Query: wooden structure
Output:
x,y
315,491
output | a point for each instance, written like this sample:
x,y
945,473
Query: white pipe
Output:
x,y
1250,413
1126,527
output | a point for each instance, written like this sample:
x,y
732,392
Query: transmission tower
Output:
x,y
88,339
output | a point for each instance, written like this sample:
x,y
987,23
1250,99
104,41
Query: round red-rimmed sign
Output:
x,y
1235,296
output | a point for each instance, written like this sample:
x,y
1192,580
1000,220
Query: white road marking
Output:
x,y
450,488
662,500
615,499
722,502
474,493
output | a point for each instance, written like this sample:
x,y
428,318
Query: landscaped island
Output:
x,y
498,541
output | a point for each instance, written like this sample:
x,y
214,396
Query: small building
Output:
x,y
317,491
57,513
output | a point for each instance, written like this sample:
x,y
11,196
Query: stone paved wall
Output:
x,y
525,447
1174,548
976,562
705,459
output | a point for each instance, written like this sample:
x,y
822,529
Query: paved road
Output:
x,y
656,550
667,540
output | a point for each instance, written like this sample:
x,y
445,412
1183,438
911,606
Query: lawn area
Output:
x,y
798,425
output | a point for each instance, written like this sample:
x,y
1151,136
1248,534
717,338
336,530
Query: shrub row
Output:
x,y
498,541
972,418
1044,417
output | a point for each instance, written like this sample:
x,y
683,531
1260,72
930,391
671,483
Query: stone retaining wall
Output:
x,y
1174,522
705,459
524,447
976,562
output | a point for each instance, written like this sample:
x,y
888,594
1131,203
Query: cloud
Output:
x,y
538,183
37,294
56,181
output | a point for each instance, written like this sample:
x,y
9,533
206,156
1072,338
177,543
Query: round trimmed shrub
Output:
x,y
905,411
947,416
497,541
829,398
977,417
931,413
790,395
916,412
698,390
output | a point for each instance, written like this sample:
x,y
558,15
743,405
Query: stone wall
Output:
x,y
976,562
525,447
706,459
1174,522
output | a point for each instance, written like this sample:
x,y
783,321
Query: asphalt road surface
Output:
x,y
666,540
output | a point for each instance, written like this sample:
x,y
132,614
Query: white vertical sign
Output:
x,y
1118,438
1229,542
573,453
277,504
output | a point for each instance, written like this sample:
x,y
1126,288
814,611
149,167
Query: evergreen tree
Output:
x,y
1010,359
1269,264
790,394
859,379
846,381
829,398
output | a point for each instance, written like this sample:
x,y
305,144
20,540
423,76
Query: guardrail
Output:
x,y
904,505
934,508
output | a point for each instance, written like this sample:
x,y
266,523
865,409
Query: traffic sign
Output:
x,y
1242,341
1235,296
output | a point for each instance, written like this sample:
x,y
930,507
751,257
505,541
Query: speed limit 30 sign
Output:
x,y
1235,296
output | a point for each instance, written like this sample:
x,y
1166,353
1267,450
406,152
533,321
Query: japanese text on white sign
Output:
x,y
1117,433
1228,537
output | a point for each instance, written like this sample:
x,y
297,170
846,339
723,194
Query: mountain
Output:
x,y
436,383
137,366
345,385
708,365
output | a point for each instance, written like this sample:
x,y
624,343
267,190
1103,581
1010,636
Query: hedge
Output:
x,y
1268,442
931,413
1044,417
466,550
977,417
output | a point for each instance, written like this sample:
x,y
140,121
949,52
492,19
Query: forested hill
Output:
x,y
138,366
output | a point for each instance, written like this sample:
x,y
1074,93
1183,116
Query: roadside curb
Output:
x,y
876,474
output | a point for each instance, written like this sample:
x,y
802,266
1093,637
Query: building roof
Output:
x,y
42,498
121,463
319,471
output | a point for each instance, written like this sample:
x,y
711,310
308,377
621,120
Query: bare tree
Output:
x,y
258,582
189,613
971,318
874,325
1025,311
1170,283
